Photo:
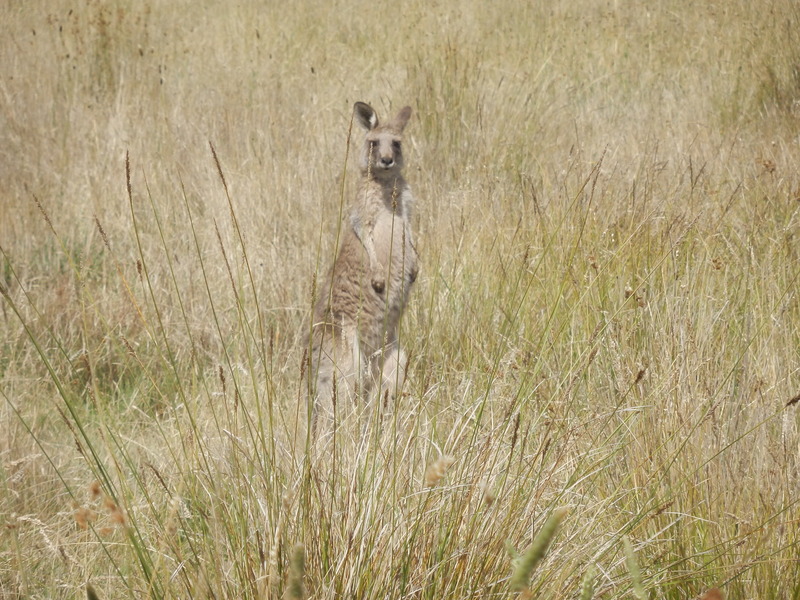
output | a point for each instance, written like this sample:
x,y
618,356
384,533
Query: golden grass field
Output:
x,y
605,329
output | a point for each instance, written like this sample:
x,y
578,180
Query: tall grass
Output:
x,y
606,325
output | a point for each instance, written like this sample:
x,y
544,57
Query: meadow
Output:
x,y
604,334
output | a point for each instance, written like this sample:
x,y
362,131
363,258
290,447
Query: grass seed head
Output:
x,y
117,517
489,495
90,593
633,569
535,553
84,516
436,470
297,568
587,585
94,490
109,504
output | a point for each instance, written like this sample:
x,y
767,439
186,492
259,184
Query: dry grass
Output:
x,y
606,321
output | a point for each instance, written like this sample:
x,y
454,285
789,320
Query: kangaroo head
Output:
x,y
382,155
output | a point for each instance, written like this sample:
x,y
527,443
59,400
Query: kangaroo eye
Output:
x,y
396,146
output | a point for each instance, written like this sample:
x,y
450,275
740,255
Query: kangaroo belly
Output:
x,y
354,301
398,258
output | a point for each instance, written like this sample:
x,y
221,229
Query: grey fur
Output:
x,y
354,338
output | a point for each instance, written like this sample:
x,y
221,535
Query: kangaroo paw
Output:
x,y
378,284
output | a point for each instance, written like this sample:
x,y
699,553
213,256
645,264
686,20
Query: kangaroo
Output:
x,y
356,316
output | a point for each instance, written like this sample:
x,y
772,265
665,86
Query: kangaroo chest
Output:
x,y
392,238
397,270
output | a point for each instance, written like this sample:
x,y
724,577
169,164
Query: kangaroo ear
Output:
x,y
365,115
401,120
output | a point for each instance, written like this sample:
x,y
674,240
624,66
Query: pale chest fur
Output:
x,y
394,241
384,229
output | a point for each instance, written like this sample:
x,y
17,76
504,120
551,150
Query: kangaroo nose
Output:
x,y
387,161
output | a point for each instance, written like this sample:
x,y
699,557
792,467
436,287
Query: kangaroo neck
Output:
x,y
388,189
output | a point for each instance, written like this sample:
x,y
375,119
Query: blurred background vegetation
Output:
x,y
606,319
